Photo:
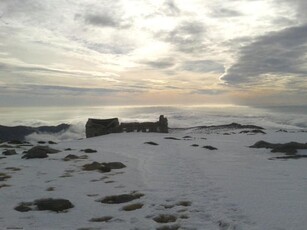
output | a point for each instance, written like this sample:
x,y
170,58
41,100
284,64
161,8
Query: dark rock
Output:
x,y
123,198
288,148
56,205
165,218
23,207
35,155
52,143
114,165
290,157
101,219
187,137
41,142
255,131
132,207
195,145
281,131
43,149
263,144
74,157
209,147
89,150
39,152
70,157
68,149
171,138
150,143
96,166
9,152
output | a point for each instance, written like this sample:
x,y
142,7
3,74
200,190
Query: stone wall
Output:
x,y
98,127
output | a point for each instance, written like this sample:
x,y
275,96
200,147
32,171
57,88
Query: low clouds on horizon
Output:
x,y
205,50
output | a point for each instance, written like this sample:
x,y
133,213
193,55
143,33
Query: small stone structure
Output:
x,y
98,127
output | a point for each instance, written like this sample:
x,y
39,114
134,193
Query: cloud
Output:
x,y
102,20
280,53
203,66
171,9
210,91
187,37
220,12
160,64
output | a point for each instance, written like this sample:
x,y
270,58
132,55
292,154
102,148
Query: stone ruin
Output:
x,y
98,127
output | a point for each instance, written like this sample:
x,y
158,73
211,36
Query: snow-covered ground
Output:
x,y
234,187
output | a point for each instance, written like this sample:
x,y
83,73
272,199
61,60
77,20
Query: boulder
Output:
x,y
114,165
9,152
123,198
43,149
96,166
56,205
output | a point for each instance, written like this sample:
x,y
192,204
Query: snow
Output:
x,y
232,188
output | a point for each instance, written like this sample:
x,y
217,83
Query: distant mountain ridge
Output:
x,y
8,133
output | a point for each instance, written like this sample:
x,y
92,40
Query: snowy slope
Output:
x,y
234,187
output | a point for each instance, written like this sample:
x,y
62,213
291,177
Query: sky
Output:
x,y
153,52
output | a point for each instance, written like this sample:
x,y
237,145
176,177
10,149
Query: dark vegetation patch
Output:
x,y
123,198
209,147
41,142
132,207
165,218
150,143
187,137
101,219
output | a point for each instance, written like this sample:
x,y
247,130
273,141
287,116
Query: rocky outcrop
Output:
x,y
288,148
39,152
98,127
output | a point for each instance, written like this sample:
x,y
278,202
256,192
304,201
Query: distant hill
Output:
x,y
8,133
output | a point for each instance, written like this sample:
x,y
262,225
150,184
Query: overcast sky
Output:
x,y
120,52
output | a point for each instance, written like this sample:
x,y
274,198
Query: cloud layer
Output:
x,y
103,51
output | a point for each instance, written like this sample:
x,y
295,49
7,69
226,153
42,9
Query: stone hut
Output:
x,y
98,127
